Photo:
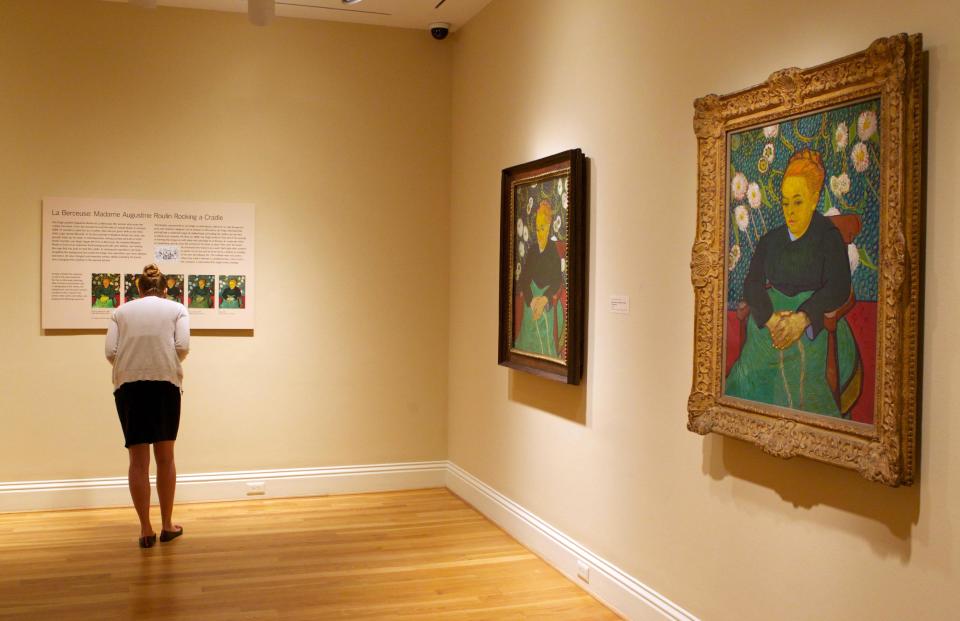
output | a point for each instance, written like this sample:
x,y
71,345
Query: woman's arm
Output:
x,y
555,274
181,334
835,284
754,285
110,346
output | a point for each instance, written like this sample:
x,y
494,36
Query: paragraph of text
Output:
x,y
96,241
204,243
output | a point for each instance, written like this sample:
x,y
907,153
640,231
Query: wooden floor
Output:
x,y
401,555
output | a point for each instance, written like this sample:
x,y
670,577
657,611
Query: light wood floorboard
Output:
x,y
421,554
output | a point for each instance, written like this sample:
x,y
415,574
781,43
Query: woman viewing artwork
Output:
x,y
147,339
797,293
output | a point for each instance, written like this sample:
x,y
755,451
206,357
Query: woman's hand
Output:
x,y
773,325
537,305
788,329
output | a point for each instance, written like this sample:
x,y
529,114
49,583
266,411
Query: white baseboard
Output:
x,y
216,486
623,593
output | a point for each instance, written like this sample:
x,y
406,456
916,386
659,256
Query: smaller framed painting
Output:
x,y
543,220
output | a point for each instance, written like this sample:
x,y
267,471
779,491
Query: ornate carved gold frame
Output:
x,y
886,451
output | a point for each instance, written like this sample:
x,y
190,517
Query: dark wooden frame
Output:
x,y
574,162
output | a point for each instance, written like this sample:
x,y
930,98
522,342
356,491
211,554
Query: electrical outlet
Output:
x,y
256,488
583,570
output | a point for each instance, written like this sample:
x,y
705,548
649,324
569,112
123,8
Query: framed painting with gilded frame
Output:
x,y
806,265
543,266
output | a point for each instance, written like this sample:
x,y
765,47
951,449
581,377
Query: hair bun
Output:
x,y
808,155
809,165
152,280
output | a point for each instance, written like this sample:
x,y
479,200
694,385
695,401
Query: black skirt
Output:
x,y
149,411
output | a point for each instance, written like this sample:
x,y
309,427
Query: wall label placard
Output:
x,y
94,250
620,304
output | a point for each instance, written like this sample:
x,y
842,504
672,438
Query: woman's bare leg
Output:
x,y
166,481
138,477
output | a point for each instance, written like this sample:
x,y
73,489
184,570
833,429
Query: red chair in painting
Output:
x,y
558,301
849,227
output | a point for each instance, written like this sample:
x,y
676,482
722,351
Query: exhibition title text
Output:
x,y
135,215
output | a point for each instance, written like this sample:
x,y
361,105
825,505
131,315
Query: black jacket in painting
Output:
x,y
542,268
231,293
816,262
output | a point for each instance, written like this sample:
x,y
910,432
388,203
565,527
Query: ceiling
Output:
x,y
396,13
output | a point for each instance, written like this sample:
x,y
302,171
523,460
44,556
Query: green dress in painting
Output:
x,y
810,274
104,297
541,275
174,294
230,297
536,335
201,297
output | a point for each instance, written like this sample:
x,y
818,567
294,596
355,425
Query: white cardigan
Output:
x,y
147,339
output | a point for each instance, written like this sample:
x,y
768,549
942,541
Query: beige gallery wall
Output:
x,y
338,133
716,525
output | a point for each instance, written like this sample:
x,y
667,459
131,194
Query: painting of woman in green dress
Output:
x,y
799,291
232,293
175,288
104,291
200,293
542,275
131,291
539,272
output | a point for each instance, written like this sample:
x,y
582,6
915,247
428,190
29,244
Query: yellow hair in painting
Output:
x,y
544,216
808,165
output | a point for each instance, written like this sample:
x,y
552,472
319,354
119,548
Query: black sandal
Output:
x,y
148,541
168,535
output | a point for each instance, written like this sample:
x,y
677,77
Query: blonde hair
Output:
x,y
152,281
807,165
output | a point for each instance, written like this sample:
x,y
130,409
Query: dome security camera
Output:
x,y
439,30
